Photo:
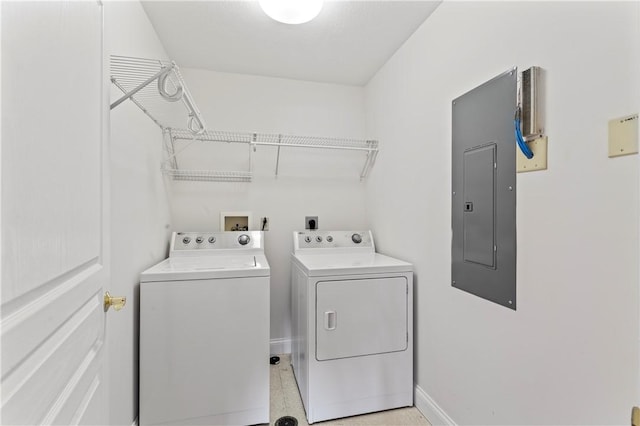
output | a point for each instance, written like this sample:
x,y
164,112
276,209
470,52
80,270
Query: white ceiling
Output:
x,y
346,44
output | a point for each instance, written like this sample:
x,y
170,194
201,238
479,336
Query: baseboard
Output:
x,y
428,407
280,346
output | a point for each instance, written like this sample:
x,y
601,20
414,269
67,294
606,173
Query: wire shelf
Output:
x,y
207,175
158,89
272,139
213,136
369,147
166,101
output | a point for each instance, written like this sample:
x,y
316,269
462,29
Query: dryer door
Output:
x,y
361,317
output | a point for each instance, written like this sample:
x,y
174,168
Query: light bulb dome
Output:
x,y
291,11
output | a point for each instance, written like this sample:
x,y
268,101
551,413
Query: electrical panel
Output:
x,y
484,190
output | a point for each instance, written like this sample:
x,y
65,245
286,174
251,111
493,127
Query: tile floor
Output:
x,y
285,401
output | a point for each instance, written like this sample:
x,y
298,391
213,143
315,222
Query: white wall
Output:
x,y
140,221
569,354
318,183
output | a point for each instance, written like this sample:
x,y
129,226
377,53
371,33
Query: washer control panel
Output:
x,y
198,242
332,239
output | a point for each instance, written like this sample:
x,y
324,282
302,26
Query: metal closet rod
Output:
x,y
299,145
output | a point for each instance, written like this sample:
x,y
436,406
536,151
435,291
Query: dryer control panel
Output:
x,y
332,240
199,243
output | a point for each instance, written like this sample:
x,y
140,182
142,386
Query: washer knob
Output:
x,y
356,238
329,238
186,240
212,240
244,239
319,239
307,239
199,240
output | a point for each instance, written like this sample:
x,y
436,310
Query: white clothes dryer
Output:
x,y
352,325
204,332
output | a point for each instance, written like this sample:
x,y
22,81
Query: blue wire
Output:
x,y
521,143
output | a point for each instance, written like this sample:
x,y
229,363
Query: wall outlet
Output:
x,y
311,222
264,224
623,136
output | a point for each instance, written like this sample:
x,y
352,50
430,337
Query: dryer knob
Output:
x,y
307,239
329,238
212,240
319,239
199,240
186,240
244,239
356,238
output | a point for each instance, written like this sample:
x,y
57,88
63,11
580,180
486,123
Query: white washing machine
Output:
x,y
204,332
352,325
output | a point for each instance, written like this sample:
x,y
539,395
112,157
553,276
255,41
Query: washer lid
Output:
x,y
207,267
321,265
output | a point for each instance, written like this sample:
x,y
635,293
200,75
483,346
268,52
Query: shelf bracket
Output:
x,y
368,162
133,75
278,154
169,149
252,147
163,71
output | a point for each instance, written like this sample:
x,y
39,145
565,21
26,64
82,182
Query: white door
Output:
x,y
54,214
358,317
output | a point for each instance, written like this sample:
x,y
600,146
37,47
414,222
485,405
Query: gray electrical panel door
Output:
x,y
478,219
483,214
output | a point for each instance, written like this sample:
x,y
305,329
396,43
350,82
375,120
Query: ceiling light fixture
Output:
x,y
291,11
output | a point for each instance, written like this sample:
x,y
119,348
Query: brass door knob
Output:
x,y
117,302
